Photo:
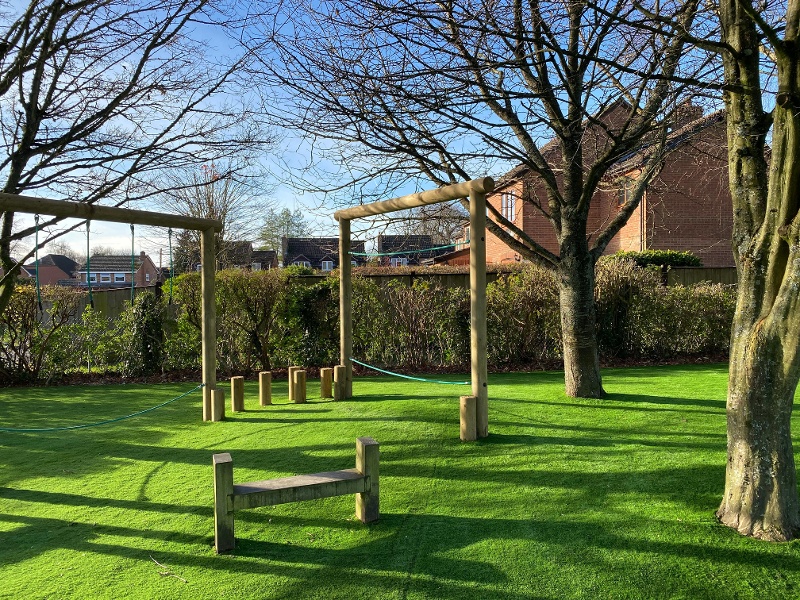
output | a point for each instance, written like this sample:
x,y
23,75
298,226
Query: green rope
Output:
x,y
171,266
418,251
89,265
409,376
84,426
133,268
36,258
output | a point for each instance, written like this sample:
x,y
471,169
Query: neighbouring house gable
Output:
x,y
320,253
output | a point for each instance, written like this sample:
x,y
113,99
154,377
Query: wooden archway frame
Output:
x,y
207,228
476,190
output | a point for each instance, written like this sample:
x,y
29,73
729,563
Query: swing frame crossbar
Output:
x,y
476,190
207,228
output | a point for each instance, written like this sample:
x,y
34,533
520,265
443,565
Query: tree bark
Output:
x,y
578,319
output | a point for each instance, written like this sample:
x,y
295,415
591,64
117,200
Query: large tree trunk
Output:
x,y
760,482
578,320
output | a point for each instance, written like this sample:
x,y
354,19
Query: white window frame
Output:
x,y
147,277
105,277
93,277
508,205
119,277
255,266
327,265
398,261
302,263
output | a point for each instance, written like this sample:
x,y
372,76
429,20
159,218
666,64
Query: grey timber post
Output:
x,y
326,382
223,513
367,463
209,320
477,300
265,388
299,385
345,306
339,379
468,415
217,405
237,394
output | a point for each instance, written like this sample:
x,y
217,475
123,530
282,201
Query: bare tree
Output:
x,y
397,92
95,97
761,498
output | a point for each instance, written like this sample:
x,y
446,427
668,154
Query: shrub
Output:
x,y
661,258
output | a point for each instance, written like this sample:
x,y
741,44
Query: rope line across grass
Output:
x,y
85,425
374,368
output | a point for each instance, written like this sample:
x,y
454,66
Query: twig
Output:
x,y
166,572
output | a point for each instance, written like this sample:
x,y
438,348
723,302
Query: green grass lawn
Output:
x,y
567,498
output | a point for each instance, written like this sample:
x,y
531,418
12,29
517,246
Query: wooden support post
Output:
x,y
469,432
223,514
326,382
339,380
292,371
299,385
217,405
345,306
208,318
367,463
237,394
265,388
477,296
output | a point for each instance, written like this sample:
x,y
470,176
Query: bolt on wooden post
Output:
x,y
265,388
237,394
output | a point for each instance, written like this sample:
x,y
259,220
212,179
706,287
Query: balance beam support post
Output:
x,y
265,388
367,463
237,394
468,413
326,382
223,515
477,295
217,405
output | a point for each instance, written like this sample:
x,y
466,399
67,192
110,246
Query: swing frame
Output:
x,y
207,228
475,190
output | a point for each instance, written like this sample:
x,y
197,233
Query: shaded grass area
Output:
x,y
567,498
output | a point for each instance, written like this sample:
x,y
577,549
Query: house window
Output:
x,y
302,263
93,277
105,278
399,262
625,193
147,276
466,234
508,205
119,277
354,263
255,267
327,265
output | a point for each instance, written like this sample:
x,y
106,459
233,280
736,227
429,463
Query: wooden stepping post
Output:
x,y
339,382
367,463
326,383
291,382
265,388
299,387
469,418
223,510
237,394
217,405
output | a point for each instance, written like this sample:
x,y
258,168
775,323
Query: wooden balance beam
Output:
x,y
228,498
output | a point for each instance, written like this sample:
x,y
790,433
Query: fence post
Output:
x,y
469,415
339,382
218,405
223,488
265,388
367,462
326,382
237,394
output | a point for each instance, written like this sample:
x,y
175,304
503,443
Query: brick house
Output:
x,y
53,268
686,207
321,253
418,248
115,271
